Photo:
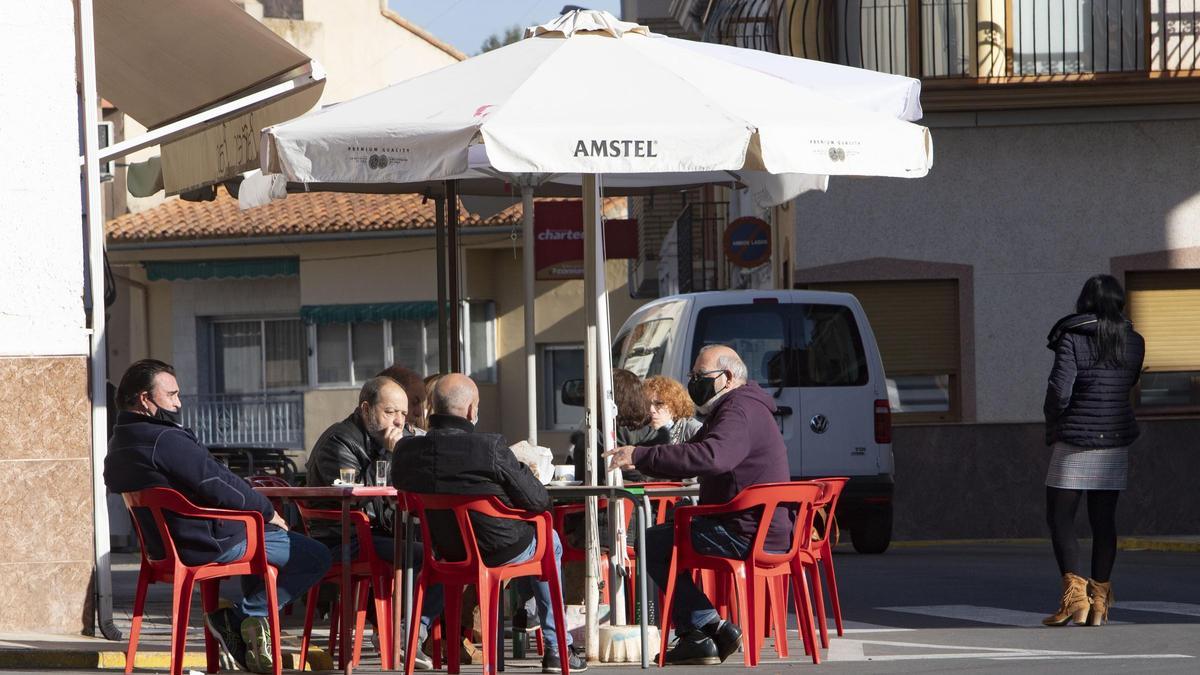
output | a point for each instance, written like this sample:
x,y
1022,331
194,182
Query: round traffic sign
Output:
x,y
748,241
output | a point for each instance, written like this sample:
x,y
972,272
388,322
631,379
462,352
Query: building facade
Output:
x,y
1064,147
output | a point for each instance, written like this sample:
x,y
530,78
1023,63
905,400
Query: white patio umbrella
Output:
x,y
587,95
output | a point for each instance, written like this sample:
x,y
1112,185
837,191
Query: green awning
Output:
x,y
240,268
371,311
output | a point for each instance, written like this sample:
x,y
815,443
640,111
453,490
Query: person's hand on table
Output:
x,y
620,458
278,521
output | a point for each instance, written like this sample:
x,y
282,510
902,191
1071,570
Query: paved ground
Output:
x,y
976,608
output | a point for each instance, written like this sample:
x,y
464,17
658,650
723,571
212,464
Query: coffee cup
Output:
x,y
565,472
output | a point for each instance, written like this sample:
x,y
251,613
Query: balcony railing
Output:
x,y
259,420
980,40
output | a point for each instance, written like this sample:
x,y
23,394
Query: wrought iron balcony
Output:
x,y
984,44
258,420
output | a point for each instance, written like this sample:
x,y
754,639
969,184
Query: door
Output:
x,y
836,417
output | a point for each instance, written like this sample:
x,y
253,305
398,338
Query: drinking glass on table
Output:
x,y
381,471
347,476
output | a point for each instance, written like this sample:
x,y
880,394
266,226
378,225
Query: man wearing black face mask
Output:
x,y
739,445
148,449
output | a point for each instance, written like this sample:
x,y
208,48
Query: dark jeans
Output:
x,y
691,607
301,562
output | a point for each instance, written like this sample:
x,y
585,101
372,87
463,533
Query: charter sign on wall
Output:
x,y
558,240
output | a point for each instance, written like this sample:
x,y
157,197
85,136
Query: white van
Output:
x,y
815,352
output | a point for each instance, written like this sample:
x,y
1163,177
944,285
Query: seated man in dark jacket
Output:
x,y
453,458
367,436
148,449
738,446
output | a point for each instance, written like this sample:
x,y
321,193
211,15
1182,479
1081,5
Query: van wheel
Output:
x,y
874,533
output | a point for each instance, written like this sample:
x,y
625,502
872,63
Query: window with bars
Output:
x,y
253,355
348,354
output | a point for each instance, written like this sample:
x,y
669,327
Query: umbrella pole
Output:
x,y
527,259
608,409
439,208
453,274
592,417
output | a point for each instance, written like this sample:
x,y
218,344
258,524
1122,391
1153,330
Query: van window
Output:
x,y
644,347
788,344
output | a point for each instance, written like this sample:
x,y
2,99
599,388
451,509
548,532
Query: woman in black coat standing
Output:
x,y
1090,425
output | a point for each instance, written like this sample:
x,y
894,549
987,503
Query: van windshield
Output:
x,y
788,344
643,348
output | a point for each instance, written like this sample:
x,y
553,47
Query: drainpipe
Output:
x,y
94,216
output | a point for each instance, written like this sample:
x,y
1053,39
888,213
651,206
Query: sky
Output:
x,y
467,23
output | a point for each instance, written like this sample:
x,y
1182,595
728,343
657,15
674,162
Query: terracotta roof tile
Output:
x,y
298,214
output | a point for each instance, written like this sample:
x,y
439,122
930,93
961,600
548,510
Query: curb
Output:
x,y
1167,544
76,659
1180,545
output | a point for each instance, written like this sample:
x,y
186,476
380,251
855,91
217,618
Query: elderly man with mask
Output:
x,y
739,445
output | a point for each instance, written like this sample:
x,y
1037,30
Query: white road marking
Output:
x,y
991,615
1181,608
846,650
1093,657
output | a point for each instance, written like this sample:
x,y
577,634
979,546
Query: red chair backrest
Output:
x,y
769,497
830,493
159,500
461,506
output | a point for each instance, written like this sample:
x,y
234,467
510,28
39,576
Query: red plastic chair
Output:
x,y
822,551
367,567
183,578
749,576
454,575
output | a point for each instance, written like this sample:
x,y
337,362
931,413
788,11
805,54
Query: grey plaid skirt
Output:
x,y
1076,468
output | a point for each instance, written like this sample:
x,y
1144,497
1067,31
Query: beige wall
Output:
x,y
558,318
403,269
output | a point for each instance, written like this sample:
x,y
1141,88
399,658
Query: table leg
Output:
x,y
643,597
348,598
398,579
408,570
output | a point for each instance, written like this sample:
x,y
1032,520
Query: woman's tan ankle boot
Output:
x,y
1102,599
1074,603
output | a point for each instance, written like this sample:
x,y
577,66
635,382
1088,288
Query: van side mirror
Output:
x,y
572,392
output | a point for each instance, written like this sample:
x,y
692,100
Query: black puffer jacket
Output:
x,y
455,459
1087,403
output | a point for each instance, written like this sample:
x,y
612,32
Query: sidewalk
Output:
x,y
70,652
21,651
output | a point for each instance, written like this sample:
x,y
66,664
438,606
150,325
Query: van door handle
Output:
x,y
783,411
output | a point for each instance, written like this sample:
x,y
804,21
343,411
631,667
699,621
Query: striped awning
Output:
x,y
240,268
371,311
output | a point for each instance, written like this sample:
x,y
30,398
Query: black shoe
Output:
x,y
225,625
552,664
693,648
727,637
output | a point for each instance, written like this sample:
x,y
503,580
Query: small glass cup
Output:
x,y
347,476
382,467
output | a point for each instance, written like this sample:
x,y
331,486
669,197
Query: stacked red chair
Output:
x,y
748,577
183,578
455,575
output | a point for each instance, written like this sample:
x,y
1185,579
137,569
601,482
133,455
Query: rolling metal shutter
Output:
x,y
1165,309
